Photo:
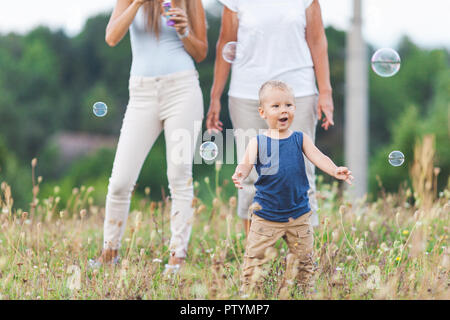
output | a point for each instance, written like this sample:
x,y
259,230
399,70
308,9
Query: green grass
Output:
x,y
388,249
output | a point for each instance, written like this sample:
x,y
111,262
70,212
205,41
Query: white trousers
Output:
x,y
173,103
244,116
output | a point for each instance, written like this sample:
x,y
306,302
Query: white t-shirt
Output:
x,y
271,46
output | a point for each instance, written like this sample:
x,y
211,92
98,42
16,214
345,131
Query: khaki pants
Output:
x,y
244,116
263,235
173,103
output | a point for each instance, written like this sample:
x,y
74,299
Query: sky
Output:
x,y
427,23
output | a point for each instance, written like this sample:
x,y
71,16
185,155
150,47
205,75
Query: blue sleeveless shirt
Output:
x,y
282,186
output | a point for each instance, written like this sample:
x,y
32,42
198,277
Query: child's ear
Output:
x,y
261,112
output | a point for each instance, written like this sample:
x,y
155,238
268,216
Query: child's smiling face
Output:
x,y
277,108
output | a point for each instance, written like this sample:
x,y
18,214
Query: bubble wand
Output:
x,y
167,5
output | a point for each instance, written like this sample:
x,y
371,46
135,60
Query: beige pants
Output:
x,y
244,115
172,103
263,235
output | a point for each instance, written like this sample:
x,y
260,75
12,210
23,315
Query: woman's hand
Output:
x,y
342,173
196,44
212,119
325,106
318,45
180,18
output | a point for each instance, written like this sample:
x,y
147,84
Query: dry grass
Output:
x,y
395,248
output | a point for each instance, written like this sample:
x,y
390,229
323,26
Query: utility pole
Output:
x,y
356,125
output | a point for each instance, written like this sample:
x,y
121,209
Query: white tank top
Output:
x,y
271,46
153,57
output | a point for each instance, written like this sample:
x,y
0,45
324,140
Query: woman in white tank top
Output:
x,y
164,96
277,40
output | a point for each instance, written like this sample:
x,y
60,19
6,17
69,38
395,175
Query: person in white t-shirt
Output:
x,y
276,40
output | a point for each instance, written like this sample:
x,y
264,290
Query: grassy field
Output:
x,y
394,248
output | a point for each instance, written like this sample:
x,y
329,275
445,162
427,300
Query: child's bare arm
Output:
x,y
323,162
245,166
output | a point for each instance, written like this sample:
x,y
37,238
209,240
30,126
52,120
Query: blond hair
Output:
x,y
273,84
153,14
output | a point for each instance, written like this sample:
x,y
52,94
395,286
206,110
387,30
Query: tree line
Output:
x,y
49,82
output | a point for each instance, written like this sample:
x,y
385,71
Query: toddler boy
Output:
x,y
281,206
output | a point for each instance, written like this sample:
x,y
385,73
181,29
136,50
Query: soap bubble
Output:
x,y
386,62
396,158
209,150
100,109
229,51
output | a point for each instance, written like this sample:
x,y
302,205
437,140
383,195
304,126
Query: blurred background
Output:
x,y
55,64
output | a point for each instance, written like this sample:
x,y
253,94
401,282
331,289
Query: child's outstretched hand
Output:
x,y
342,173
237,178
